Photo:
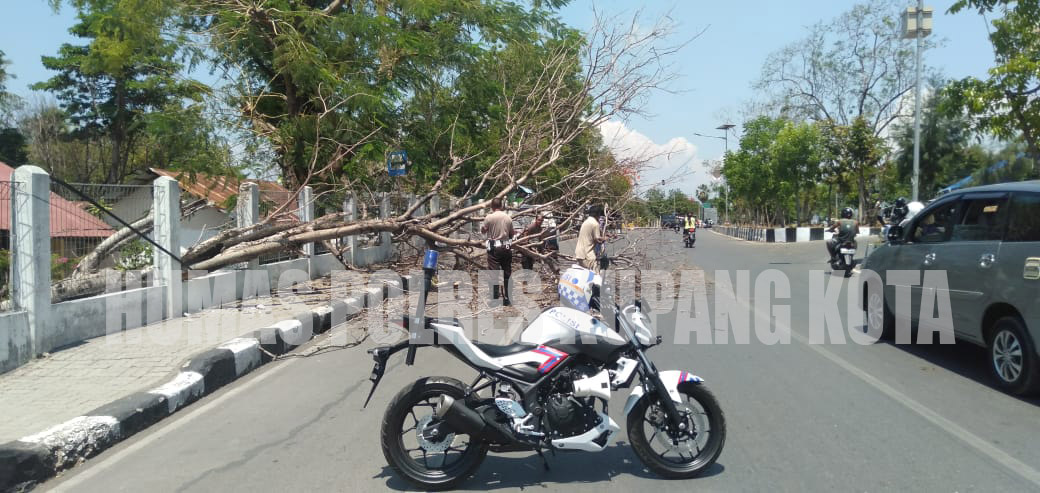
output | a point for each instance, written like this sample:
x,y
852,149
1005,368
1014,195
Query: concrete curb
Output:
x,y
36,458
783,235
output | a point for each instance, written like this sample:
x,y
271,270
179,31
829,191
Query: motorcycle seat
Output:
x,y
497,351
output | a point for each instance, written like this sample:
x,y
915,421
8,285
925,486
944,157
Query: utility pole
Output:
x,y
725,139
917,22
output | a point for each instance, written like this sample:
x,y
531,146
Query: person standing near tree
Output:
x,y
498,228
589,238
527,262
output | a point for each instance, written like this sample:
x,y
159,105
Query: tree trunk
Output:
x,y
118,132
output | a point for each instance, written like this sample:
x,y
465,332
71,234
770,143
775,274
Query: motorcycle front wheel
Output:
x,y
432,466
689,452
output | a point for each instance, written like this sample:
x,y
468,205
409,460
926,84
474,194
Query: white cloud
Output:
x,y
674,161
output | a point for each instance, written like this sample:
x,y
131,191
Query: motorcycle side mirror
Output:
x,y
895,235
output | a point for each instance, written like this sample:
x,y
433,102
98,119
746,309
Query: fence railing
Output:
x,y
7,191
78,226
283,206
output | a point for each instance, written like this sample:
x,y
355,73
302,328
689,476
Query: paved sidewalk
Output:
x,y
73,381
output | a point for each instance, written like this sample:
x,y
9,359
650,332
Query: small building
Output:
x,y
219,192
74,230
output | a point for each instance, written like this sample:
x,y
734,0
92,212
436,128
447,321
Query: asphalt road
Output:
x,y
800,417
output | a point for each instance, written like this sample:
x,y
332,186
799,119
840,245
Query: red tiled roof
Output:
x,y
68,220
218,189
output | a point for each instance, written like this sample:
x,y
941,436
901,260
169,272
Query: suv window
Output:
x,y
1025,218
934,224
983,219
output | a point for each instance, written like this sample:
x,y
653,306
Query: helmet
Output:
x,y
900,202
846,213
579,288
913,208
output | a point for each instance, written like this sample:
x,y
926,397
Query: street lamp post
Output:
x,y
917,23
725,139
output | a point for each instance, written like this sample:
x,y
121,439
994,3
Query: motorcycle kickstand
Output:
x,y
542,456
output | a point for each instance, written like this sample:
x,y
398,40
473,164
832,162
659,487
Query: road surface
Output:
x,y
800,417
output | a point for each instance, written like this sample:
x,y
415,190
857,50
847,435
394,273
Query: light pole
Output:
x,y
917,23
725,139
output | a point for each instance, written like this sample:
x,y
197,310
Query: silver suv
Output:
x,y
987,239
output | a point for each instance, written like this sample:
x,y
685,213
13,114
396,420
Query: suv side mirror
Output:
x,y
895,234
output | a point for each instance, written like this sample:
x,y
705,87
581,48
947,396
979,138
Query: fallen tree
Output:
x,y
549,115
577,88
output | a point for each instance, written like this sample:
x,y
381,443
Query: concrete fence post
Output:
x,y
31,251
167,208
385,238
350,213
306,214
247,211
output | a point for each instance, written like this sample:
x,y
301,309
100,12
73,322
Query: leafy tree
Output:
x,y
750,173
947,153
8,102
855,153
336,85
797,155
1005,104
12,142
126,70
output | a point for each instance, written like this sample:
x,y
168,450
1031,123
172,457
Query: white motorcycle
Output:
x,y
541,393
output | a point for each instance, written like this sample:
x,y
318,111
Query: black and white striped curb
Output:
x,y
36,458
784,235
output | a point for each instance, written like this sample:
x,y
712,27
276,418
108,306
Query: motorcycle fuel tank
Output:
x,y
572,331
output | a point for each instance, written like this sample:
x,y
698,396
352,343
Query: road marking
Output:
x,y
190,413
999,456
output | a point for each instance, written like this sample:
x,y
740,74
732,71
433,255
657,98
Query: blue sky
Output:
x,y
716,70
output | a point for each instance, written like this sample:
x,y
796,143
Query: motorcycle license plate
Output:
x,y
848,251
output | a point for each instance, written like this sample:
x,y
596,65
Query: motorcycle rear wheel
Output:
x,y
425,464
703,416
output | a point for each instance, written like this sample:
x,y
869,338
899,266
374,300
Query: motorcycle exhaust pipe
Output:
x,y
459,417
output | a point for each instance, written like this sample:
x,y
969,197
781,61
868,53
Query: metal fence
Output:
x,y
328,203
78,227
283,206
7,190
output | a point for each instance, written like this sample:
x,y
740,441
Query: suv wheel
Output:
x,y
879,318
1013,359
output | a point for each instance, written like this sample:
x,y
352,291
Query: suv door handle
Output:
x,y
986,260
929,259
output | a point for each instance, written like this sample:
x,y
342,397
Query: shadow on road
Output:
x,y
963,358
520,471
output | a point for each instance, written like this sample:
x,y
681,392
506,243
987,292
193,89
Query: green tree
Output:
x,y
12,143
336,85
855,153
1005,104
126,70
797,155
947,153
751,175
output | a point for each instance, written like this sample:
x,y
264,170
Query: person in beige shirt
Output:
x,y
498,227
589,236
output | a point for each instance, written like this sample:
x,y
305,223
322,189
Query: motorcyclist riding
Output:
x,y
689,231
844,231
899,211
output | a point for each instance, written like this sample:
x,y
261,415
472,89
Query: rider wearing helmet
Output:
x,y
844,231
899,211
